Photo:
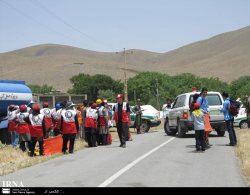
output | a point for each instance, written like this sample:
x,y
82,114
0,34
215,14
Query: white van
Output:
x,y
179,117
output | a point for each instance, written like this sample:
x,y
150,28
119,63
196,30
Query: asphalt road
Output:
x,y
150,160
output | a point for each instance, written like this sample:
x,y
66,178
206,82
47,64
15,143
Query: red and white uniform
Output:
x,y
91,117
102,112
47,114
12,126
125,117
69,121
56,115
36,127
23,126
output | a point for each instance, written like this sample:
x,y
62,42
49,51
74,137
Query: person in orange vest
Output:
x,y
80,122
91,125
122,118
69,126
12,111
37,129
23,128
48,119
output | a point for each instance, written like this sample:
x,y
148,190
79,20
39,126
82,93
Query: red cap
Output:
x,y
45,104
105,101
36,107
23,108
196,105
93,105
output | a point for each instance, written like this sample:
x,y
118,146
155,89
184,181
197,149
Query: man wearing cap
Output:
x,y
121,117
37,129
69,126
138,114
48,118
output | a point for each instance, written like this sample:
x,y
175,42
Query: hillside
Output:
x,y
225,56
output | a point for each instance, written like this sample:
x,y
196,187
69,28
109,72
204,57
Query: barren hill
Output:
x,y
225,56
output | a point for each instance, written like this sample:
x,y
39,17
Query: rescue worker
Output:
x,y
98,105
37,129
23,128
121,116
69,126
12,111
48,119
103,124
56,119
91,125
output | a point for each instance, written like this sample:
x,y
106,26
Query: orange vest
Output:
x,y
125,118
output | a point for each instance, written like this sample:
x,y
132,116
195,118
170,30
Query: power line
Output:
x,y
39,4
34,20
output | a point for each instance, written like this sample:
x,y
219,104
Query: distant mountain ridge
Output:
x,y
226,56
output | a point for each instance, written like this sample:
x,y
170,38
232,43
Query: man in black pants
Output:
x,y
122,119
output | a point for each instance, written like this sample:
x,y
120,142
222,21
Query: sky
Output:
x,y
111,25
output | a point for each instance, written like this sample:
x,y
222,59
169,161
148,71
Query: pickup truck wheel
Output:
x,y
169,131
243,125
145,126
179,130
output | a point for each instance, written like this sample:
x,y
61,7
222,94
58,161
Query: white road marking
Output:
x,y
129,166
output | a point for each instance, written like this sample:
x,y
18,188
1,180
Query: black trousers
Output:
x,y
71,139
91,136
23,146
122,129
200,139
34,140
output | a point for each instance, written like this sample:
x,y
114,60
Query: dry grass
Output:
x,y
12,159
243,151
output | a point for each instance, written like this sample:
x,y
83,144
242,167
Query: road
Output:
x,y
150,160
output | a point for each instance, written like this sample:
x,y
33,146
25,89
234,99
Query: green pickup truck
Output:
x,y
150,117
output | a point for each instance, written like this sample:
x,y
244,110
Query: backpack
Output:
x,y
234,107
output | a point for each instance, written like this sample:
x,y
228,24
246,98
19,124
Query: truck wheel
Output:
x,y
169,131
243,125
145,126
180,132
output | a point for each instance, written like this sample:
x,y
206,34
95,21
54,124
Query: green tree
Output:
x,y
240,87
90,85
107,94
41,89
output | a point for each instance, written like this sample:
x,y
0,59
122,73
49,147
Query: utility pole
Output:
x,y
125,76
157,94
125,88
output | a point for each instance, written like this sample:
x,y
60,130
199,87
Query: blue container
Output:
x,y
13,92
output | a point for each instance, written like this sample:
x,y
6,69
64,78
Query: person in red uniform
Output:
x,y
69,126
48,118
23,128
37,129
91,125
122,119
